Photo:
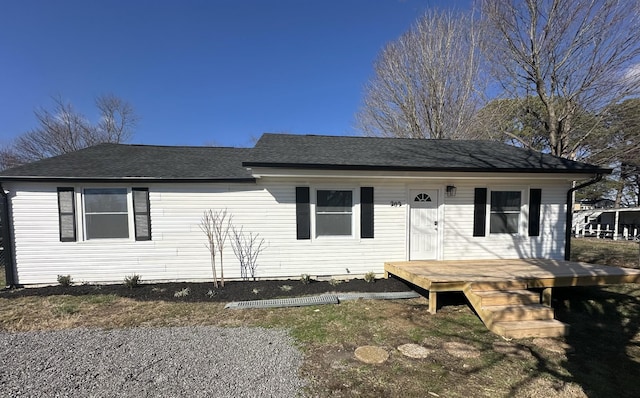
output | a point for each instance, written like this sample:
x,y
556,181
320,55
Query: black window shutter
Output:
x,y
366,212
535,200
480,212
303,213
67,214
141,213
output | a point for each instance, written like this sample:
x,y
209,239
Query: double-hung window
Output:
x,y
106,213
334,212
504,217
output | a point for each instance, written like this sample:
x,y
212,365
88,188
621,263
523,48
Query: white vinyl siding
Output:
x,y
460,244
268,208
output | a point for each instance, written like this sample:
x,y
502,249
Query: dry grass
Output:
x,y
603,251
601,357
328,335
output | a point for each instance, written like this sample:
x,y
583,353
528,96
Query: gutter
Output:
x,y
129,179
356,167
569,226
7,241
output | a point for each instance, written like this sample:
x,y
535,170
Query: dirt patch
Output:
x,y
461,350
512,350
553,345
205,292
541,387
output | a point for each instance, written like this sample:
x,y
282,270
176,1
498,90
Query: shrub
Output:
x,y
211,293
132,281
370,277
256,291
65,280
182,293
305,279
286,288
335,282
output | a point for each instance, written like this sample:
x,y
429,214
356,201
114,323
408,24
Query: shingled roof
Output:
x,y
168,163
371,153
139,162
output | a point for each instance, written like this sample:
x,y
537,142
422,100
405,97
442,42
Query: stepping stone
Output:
x,y
414,351
371,354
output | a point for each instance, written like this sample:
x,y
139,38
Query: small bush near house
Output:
x,y
132,281
65,280
335,282
305,279
182,293
286,288
370,277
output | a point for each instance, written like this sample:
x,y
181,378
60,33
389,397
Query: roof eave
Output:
x,y
307,166
128,179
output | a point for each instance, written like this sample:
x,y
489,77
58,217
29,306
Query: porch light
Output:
x,y
451,190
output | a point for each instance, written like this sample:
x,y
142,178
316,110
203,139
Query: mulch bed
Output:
x,y
203,292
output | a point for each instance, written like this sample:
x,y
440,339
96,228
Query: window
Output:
x,y
505,212
142,214
334,212
106,214
67,214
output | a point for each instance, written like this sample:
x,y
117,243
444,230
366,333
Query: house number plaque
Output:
x,y
396,203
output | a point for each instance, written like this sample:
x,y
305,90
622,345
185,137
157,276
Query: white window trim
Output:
x,y
82,219
355,211
524,203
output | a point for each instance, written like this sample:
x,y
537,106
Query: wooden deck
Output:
x,y
443,276
505,279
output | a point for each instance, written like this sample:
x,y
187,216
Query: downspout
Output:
x,y
7,241
569,226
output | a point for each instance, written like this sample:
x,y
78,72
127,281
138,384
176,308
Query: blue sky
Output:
x,y
199,72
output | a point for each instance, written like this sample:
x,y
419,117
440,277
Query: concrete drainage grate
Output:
x,y
288,302
319,300
378,296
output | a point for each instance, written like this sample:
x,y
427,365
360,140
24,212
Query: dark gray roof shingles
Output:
x,y
167,163
117,161
344,152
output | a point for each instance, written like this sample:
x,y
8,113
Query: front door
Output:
x,y
423,224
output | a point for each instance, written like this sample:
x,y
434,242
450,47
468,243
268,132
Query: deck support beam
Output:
x,y
433,302
546,296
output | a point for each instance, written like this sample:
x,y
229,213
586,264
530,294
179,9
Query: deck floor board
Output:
x,y
452,275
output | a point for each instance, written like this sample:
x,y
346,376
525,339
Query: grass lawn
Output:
x,y
600,358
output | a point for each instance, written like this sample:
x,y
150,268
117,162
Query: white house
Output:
x,y
325,205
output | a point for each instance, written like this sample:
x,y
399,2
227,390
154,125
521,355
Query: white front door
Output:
x,y
423,224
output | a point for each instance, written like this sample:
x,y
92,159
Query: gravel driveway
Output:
x,y
150,362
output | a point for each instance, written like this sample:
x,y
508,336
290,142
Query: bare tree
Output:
x,y
208,226
63,129
117,119
247,248
221,228
578,57
427,83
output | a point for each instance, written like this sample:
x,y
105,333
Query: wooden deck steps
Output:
x,y
509,310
